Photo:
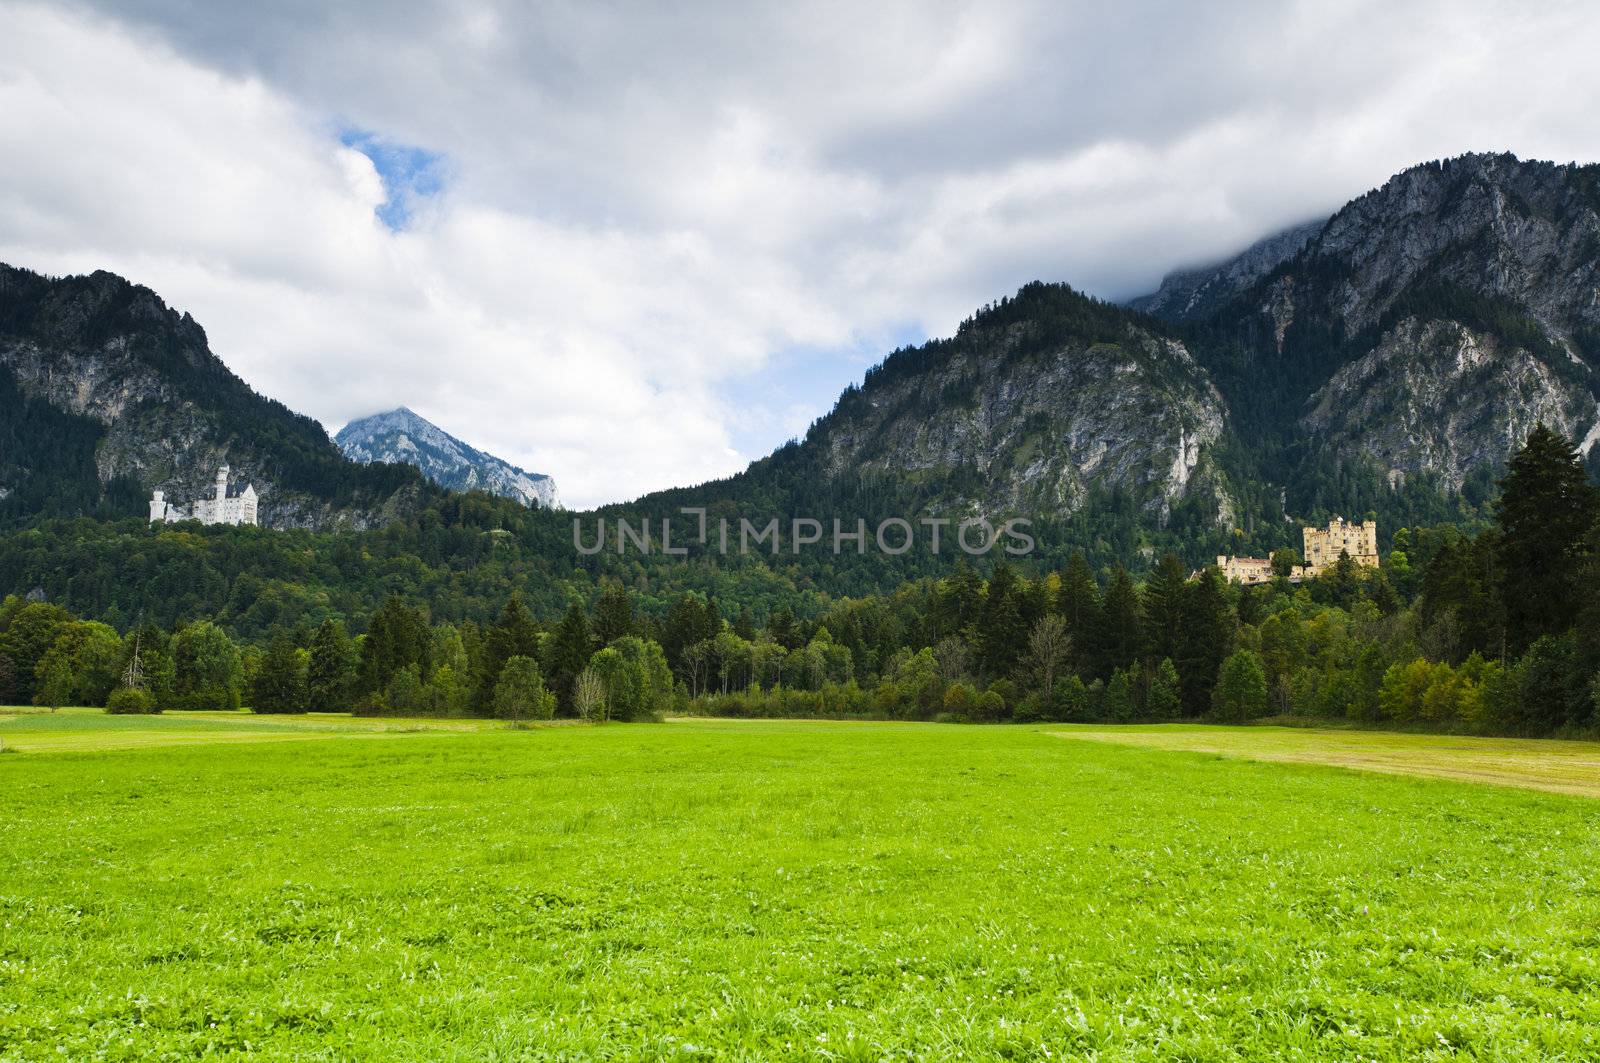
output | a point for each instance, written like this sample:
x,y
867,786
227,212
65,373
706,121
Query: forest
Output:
x,y
1497,631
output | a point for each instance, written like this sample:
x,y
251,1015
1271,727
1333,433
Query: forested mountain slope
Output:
x,y
107,393
1424,330
1387,360
1388,367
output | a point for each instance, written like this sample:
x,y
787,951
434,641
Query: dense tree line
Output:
x,y
1498,631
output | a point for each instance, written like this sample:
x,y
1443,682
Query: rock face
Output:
x,y
402,437
1192,294
1429,324
1523,232
1440,397
167,412
1035,404
1425,328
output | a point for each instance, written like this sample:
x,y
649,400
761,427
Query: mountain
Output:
x,y
1193,294
402,437
1427,327
1386,360
106,393
1045,404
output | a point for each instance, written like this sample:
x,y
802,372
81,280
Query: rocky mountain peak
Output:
x,y
1193,293
402,436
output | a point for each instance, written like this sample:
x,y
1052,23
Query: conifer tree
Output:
x,y
1078,602
330,672
1119,627
280,683
1163,601
1547,506
567,652
513,634
1002,628
781,628
1205,638
958,602
1163,700
520,693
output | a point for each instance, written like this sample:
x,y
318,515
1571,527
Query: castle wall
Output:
x,y
221,509
1323,547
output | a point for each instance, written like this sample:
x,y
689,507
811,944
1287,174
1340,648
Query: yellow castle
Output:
x,y
1323,547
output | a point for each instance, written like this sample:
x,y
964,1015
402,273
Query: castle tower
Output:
x,y
222,488
158,506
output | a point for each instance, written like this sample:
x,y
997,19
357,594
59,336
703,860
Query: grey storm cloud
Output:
x,y
636,211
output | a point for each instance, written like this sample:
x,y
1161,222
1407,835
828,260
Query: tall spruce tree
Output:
x,y
958,603
567,653
280,682
513,634
397,637
1119,630
1547,506
1002,626
330,672
1206,628
1163,601
1078,602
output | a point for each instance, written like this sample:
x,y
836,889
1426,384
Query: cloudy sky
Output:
x,y
635,247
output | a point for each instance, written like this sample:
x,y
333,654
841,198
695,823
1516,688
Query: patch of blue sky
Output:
x,y
779,401
409,173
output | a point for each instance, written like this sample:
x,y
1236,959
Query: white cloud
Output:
x,y
649,212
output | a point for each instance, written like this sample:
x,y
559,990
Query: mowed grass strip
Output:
x,y
787,890
1532,763
76,730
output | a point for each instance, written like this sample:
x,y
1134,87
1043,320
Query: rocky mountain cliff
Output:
x,y
128,397
1408,343
1046,404
403,437
1428,325
1035,402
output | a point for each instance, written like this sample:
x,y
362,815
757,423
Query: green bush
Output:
x,y
131,701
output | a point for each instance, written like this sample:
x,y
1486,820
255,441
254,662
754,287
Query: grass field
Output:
x,y
769,890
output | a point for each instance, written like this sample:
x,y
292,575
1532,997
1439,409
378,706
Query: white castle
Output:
x,y
232,505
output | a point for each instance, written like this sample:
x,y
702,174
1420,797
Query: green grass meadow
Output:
x,y
346,889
